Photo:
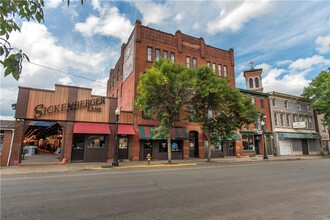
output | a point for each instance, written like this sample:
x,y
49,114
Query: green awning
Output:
x,y
146,133
298,135
235,136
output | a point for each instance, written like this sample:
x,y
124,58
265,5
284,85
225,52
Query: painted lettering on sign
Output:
x,y
90,104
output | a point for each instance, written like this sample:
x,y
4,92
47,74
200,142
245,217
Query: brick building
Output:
x,y
144,46
255,137
7,129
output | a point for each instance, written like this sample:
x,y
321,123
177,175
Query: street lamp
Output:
x,y
263,126
115,156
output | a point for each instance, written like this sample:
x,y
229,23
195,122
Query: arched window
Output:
x,y
250,83
257,82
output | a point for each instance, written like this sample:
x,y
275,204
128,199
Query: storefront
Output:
x,y
158,148
298,143
254,143
69,123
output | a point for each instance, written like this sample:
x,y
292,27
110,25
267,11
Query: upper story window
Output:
x,y
253,100
188,62
301,118
282,120
165,54
262,103
288,120
250,83
310,123
208,63
213,66
308,108
225,71
256,82
219,70
194,63
157,54
149,58
113,81
294,118
286,104
275,119
172,57
274,102
299,106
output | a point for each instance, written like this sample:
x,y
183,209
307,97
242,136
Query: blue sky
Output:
x,y
290,40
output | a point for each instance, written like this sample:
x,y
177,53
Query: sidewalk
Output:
x,y
49,168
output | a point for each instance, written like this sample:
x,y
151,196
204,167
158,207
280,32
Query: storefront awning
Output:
x,y
146,132
298,135
126,129
90,128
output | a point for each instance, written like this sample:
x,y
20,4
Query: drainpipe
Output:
x,y
11,147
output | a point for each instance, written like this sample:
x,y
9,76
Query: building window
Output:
x,y
282,120
176,146
274,102
250,83
188,62
113,81
165,54
123,142
308,108
95,141
121,90
194,63
301,118
310,122
306,121
208,63
149,58
294,118
262,104
286,104
172,57
213,67
2,136
253,100
157,54
275,119
288,120
299,106
248,142
225,71
256,82
219,70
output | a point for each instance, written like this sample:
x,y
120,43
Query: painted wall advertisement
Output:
x,y
129,54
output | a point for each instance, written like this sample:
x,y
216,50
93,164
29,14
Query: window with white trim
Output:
x,y
219,70
157,54
188,62
149,57
194,63
225,71
172,57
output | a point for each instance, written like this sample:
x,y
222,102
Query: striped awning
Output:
x,y
146,132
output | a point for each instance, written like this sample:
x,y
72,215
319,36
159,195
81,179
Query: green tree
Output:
x,y
318,91
219,108
163,91
12,58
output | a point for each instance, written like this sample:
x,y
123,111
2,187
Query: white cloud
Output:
x,y
109,22
233,20
53,3
283,62
307,63
154,13
323,44
178,17
43,48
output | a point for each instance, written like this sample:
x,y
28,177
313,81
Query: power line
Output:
x,y
61,71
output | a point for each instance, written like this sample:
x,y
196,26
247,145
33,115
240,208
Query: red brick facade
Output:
x,y
143,40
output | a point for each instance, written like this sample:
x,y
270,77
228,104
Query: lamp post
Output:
x,y
115,156
263,126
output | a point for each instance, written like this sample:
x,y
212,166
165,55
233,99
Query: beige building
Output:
x,y
324,132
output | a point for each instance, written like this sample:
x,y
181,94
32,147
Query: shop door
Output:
x,y
269,150
257,142
78,146
231,149
123,148
147,149
193,144
304,145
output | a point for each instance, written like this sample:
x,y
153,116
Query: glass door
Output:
x,y
78,146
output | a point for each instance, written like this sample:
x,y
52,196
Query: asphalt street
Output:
x,y
264,190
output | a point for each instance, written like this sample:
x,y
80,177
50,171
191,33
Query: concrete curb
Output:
x,y
144,166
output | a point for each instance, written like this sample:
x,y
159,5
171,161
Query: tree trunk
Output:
x,y
169,152
209,148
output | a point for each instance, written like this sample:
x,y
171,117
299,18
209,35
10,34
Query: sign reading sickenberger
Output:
x,y
90,104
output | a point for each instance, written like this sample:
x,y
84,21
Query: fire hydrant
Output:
x,y
148,158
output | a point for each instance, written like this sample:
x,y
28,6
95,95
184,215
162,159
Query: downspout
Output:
x,y
11,146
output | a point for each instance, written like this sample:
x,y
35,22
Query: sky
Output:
x,y
79,44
